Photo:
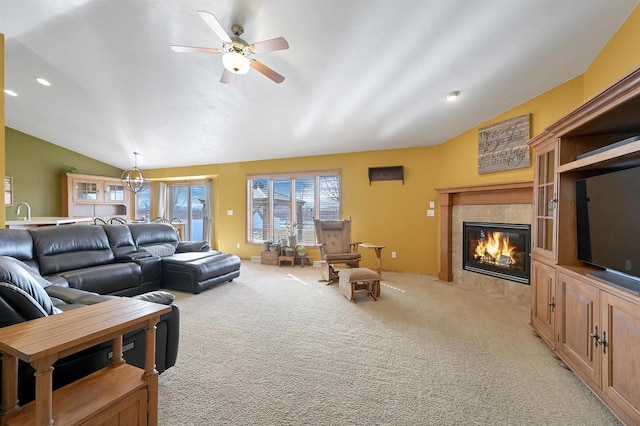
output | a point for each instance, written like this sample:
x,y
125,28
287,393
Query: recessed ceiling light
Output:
x,y
10,92
453,96
43,81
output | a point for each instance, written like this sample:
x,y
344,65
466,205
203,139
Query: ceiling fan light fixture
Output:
x,y
236,63
133,178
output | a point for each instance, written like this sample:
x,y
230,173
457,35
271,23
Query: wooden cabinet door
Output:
x,y
621,354
545,201
114,192
543,301
578,327
86,191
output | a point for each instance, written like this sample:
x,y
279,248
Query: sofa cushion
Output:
x,y
147,234
113,278
120,239
19,244
70,247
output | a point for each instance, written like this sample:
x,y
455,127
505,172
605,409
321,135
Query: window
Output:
x,y
143,203
274,201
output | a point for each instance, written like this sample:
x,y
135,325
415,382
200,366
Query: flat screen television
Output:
x,y
608,226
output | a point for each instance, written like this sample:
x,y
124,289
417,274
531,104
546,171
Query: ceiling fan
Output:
x,y
236,53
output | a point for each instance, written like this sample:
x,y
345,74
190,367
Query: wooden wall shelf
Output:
x,y
386,173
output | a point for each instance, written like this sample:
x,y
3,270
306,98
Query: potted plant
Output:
x,y
291,229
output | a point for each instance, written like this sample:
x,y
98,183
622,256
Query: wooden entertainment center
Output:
x,y
593,327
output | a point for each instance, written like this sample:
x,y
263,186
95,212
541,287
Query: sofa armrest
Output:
x,y
354,246
132,257
161,297
190,246
74,296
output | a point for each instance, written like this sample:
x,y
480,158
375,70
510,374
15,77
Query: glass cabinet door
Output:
x,y
113,192
545,187
86,191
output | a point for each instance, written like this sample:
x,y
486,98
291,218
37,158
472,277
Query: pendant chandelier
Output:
x,y
133,179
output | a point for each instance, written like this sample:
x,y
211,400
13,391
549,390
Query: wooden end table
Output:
x,y
378,250
132,396
305,260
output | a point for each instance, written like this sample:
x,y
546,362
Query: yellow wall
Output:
x,y
620,56
2,155
385,212
458,165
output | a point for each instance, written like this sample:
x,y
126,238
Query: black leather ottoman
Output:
x,y
197,271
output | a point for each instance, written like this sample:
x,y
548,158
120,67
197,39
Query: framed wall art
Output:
x,y
503,146
8,191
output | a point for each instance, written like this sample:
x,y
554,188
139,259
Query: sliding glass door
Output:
x,y
187,202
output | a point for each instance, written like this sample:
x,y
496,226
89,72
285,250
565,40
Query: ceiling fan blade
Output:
x,y
262,68
192,49
227,77
269,45
213,23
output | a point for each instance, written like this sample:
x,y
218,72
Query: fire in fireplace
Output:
x,y
497,249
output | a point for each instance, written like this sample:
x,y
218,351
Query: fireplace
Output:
x,y
497,249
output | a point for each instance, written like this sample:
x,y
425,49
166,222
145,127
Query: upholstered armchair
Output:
x,y
333,238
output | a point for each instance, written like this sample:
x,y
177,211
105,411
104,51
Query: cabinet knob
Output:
x,y
595,337
552,303
603,342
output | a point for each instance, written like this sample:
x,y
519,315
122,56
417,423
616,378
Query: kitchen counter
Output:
x,y
37,221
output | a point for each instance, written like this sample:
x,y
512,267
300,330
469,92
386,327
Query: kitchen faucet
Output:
x,y
28,210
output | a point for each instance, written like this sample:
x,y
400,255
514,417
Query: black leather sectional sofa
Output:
x,y
49,270
122,260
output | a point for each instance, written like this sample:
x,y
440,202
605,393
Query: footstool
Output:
x,y
198,271
359,281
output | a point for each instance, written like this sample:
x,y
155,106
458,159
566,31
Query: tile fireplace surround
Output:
x,y
500,203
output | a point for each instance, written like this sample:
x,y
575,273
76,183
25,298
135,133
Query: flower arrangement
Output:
x,y
291,227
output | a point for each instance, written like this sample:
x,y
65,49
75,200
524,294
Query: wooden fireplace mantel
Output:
x,y
491,194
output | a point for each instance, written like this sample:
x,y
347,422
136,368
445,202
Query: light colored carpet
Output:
x,y
277,347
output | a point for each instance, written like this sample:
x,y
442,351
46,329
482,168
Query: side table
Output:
x,y
305,260
133,392
378,250
287,258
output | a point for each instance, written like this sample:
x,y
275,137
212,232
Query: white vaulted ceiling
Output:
x,y
359,75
